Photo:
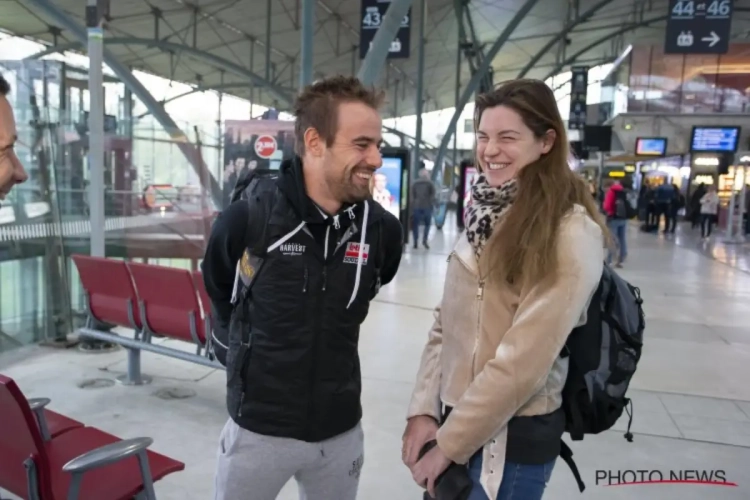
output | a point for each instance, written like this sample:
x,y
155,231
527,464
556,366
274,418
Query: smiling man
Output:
x,y
11,170
288,311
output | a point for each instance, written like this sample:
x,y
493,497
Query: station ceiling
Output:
x,y
223,43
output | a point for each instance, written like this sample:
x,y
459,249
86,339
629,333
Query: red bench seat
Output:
x,y
26,458
117,481
58,423
169,302
110,294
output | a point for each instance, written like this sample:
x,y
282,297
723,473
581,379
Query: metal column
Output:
x,y
420,86
381,44
94,25
269,12
306,51
220,134
459,18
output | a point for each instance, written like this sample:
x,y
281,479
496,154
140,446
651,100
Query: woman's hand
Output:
x,y
427,470
419,430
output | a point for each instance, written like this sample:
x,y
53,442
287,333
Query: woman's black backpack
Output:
x,y
603,356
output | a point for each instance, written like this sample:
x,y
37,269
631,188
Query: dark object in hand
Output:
x,y
453,484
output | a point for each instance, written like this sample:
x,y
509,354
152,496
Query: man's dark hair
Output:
x,y
317,106
4,86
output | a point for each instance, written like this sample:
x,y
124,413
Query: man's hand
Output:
x,y
427,470
419,430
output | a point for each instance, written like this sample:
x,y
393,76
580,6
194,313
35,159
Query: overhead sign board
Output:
x,y
698,27
579,85
373,12
715,139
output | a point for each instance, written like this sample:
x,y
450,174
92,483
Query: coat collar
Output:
x,y
465,253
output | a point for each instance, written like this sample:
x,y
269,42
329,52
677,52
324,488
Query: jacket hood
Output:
x,y
616,187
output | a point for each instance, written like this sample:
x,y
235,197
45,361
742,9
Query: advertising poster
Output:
x,y
252,144
386,188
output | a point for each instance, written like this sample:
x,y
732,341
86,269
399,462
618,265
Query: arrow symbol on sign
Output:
x,y
713,39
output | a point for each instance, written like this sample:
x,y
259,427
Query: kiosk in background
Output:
x,y
468,173
391,185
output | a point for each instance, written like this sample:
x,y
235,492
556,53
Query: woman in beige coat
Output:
x,y
519,279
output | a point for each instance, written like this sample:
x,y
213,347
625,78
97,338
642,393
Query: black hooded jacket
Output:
x,y
300,378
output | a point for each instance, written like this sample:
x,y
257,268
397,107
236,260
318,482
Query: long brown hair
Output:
x,y
523,249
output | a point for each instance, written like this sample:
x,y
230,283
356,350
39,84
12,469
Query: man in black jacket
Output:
x,y
293,372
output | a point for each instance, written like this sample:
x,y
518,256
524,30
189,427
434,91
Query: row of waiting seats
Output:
x,y
153,301
45,455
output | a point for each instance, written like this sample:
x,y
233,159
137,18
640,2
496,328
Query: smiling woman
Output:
x,y
11,170
519,279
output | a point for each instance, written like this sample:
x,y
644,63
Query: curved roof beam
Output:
x,y
477,78
561,36
599,41
195,90
206,57
238,84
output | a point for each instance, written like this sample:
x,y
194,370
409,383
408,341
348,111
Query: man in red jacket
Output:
x,y
617,208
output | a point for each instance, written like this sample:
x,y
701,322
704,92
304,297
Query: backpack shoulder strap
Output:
x,y
261,197
567,455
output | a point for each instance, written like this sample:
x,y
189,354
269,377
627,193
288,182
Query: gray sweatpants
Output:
x,y
251,466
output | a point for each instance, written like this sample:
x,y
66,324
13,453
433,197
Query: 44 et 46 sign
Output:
x,y
698,27
373,12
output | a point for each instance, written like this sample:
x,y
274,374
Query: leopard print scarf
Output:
x,y
488,205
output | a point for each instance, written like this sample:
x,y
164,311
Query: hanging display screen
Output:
x,y
715,139
651,146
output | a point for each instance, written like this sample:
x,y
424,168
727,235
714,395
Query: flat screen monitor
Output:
x,y
390,185
651,146
578,151
715,139
597,138
468,175
387,186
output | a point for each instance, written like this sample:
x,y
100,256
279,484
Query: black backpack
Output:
x,y
603,355
623,208
259,190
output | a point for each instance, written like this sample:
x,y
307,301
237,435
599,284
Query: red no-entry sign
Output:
x,y
265,146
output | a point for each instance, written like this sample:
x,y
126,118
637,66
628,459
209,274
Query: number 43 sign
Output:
x,y
698,27
373,12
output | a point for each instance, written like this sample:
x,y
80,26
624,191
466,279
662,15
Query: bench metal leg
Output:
x,y
148,482
134,375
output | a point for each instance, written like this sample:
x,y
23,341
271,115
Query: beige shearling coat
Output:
x,y
493,351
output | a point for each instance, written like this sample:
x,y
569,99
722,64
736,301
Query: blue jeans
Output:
x,y
619,229
520,482
421,216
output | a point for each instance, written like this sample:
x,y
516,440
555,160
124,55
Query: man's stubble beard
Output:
x,y
345,190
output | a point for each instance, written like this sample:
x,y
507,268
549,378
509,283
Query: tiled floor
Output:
x,y
691,394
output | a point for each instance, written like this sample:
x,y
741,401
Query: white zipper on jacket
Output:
x,y
479,302
325,246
